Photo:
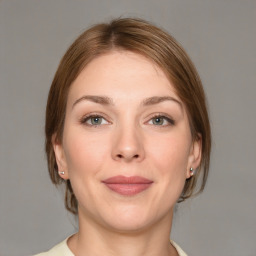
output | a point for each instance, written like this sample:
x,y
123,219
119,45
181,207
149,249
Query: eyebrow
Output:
x,y
103,100
156,100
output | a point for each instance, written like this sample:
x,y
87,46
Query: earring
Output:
x,y
62,173
192,171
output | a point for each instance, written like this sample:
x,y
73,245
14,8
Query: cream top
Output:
x,y
62,249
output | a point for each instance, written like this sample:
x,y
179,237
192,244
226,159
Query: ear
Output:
x,y
194,159
60,157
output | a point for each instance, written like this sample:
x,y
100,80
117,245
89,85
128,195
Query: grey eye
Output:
x,y
158,121
95,120
161,121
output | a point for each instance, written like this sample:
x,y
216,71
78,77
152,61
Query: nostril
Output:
x,y
122,156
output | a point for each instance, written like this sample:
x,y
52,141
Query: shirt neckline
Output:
x,y
70,253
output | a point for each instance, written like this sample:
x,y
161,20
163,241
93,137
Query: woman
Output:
x,y
127,131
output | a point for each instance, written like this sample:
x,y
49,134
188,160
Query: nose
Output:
x,y
128,145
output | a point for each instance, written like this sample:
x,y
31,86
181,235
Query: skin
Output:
x,y
129,140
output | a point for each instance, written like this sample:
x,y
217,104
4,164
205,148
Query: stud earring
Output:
x,y
62,173
192,171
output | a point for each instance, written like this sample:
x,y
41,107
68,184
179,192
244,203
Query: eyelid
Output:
x,y
86,117
169,119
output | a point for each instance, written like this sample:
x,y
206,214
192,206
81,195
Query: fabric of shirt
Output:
x,y
62,249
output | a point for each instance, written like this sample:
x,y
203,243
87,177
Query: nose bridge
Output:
x,y
128,141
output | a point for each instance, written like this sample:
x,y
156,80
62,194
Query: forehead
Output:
x,y
122,74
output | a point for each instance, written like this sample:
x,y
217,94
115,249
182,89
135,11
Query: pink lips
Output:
x,y
127,186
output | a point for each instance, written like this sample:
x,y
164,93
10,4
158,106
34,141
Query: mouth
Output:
x,y
127,186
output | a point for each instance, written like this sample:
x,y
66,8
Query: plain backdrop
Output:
x,y
220,37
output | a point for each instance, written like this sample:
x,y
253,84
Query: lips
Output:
x,y
127,186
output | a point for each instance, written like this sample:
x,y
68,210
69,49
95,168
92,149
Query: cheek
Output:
x,y
84,156
170,153
168,157
84,153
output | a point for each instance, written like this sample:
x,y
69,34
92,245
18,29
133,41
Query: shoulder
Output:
x,y
179,250
60,249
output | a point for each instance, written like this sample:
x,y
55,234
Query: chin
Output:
x,y
129,226
130,219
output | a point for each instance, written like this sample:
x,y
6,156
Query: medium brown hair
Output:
x,y
140,37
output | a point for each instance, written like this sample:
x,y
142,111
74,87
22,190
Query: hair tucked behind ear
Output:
x,y
158,46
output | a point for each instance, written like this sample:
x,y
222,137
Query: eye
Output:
x,y
94,120
161,120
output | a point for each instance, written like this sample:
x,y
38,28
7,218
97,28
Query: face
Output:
x,y
127,146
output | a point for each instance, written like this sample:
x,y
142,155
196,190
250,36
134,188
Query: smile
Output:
x,y
127,186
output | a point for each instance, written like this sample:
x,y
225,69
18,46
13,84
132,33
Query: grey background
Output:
x,y
220,37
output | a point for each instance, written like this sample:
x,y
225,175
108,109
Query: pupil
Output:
x,y
158,120
96,120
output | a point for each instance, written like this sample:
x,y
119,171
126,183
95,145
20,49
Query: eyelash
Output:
x,y
84,119
168,119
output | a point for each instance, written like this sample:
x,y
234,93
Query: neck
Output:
x,y
93,239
